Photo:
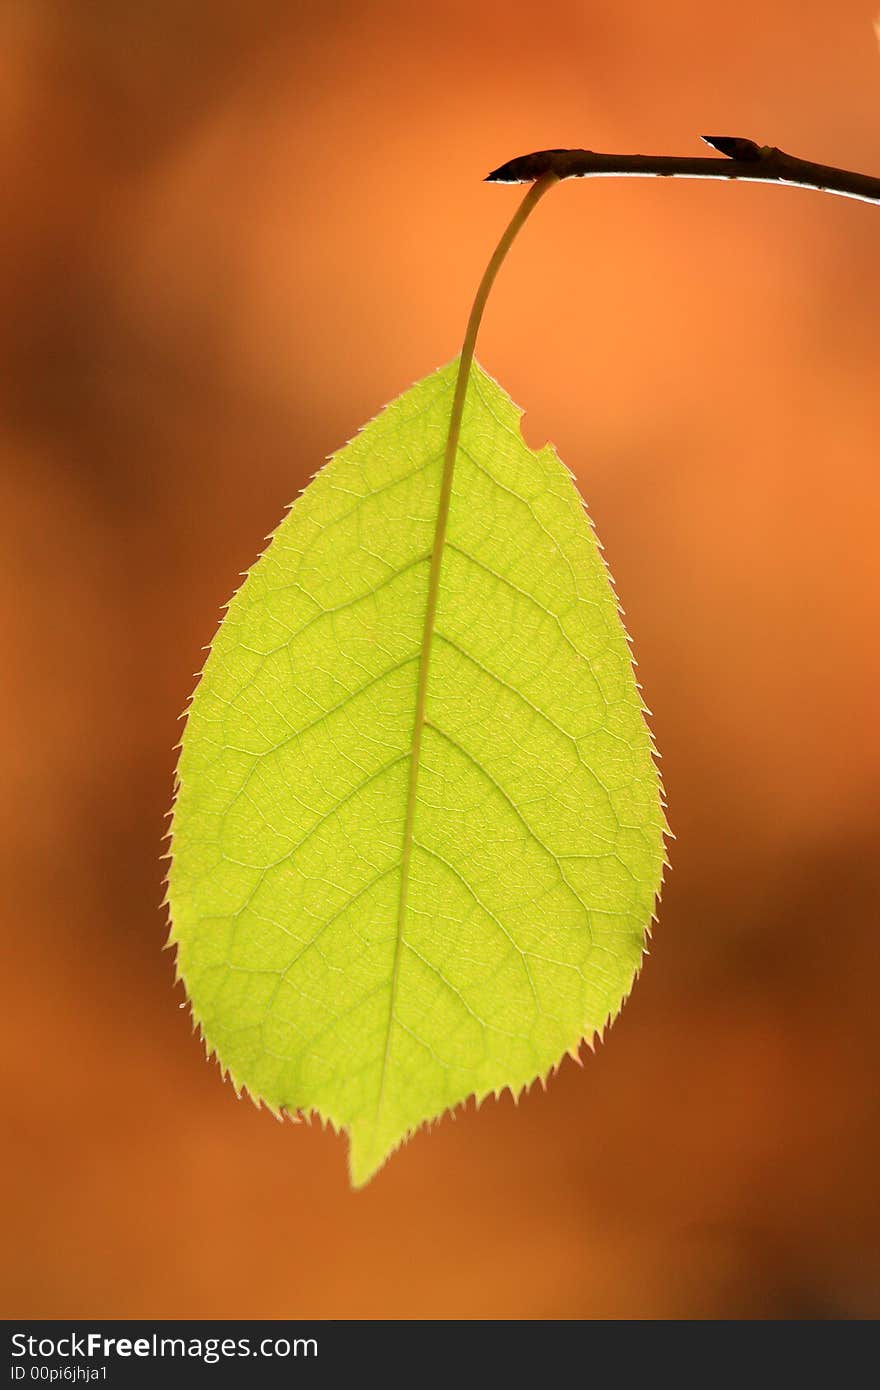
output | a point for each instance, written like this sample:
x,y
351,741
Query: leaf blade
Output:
x,y
340,955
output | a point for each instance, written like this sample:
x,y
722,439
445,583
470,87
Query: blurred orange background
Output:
x,y
232,232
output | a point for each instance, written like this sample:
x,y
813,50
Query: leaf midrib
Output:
x,y
465,363
440,527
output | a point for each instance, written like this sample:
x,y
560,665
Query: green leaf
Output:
x,y
384,904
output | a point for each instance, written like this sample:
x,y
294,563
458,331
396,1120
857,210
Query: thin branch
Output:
x,y
745,160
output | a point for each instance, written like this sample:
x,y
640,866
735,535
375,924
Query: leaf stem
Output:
x,y
542,184
745,160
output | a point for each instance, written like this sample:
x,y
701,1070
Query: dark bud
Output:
x,y
526,169
733,146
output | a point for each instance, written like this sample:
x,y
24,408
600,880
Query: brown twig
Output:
x,y
745,160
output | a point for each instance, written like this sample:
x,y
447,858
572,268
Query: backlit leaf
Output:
x,y
345,957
